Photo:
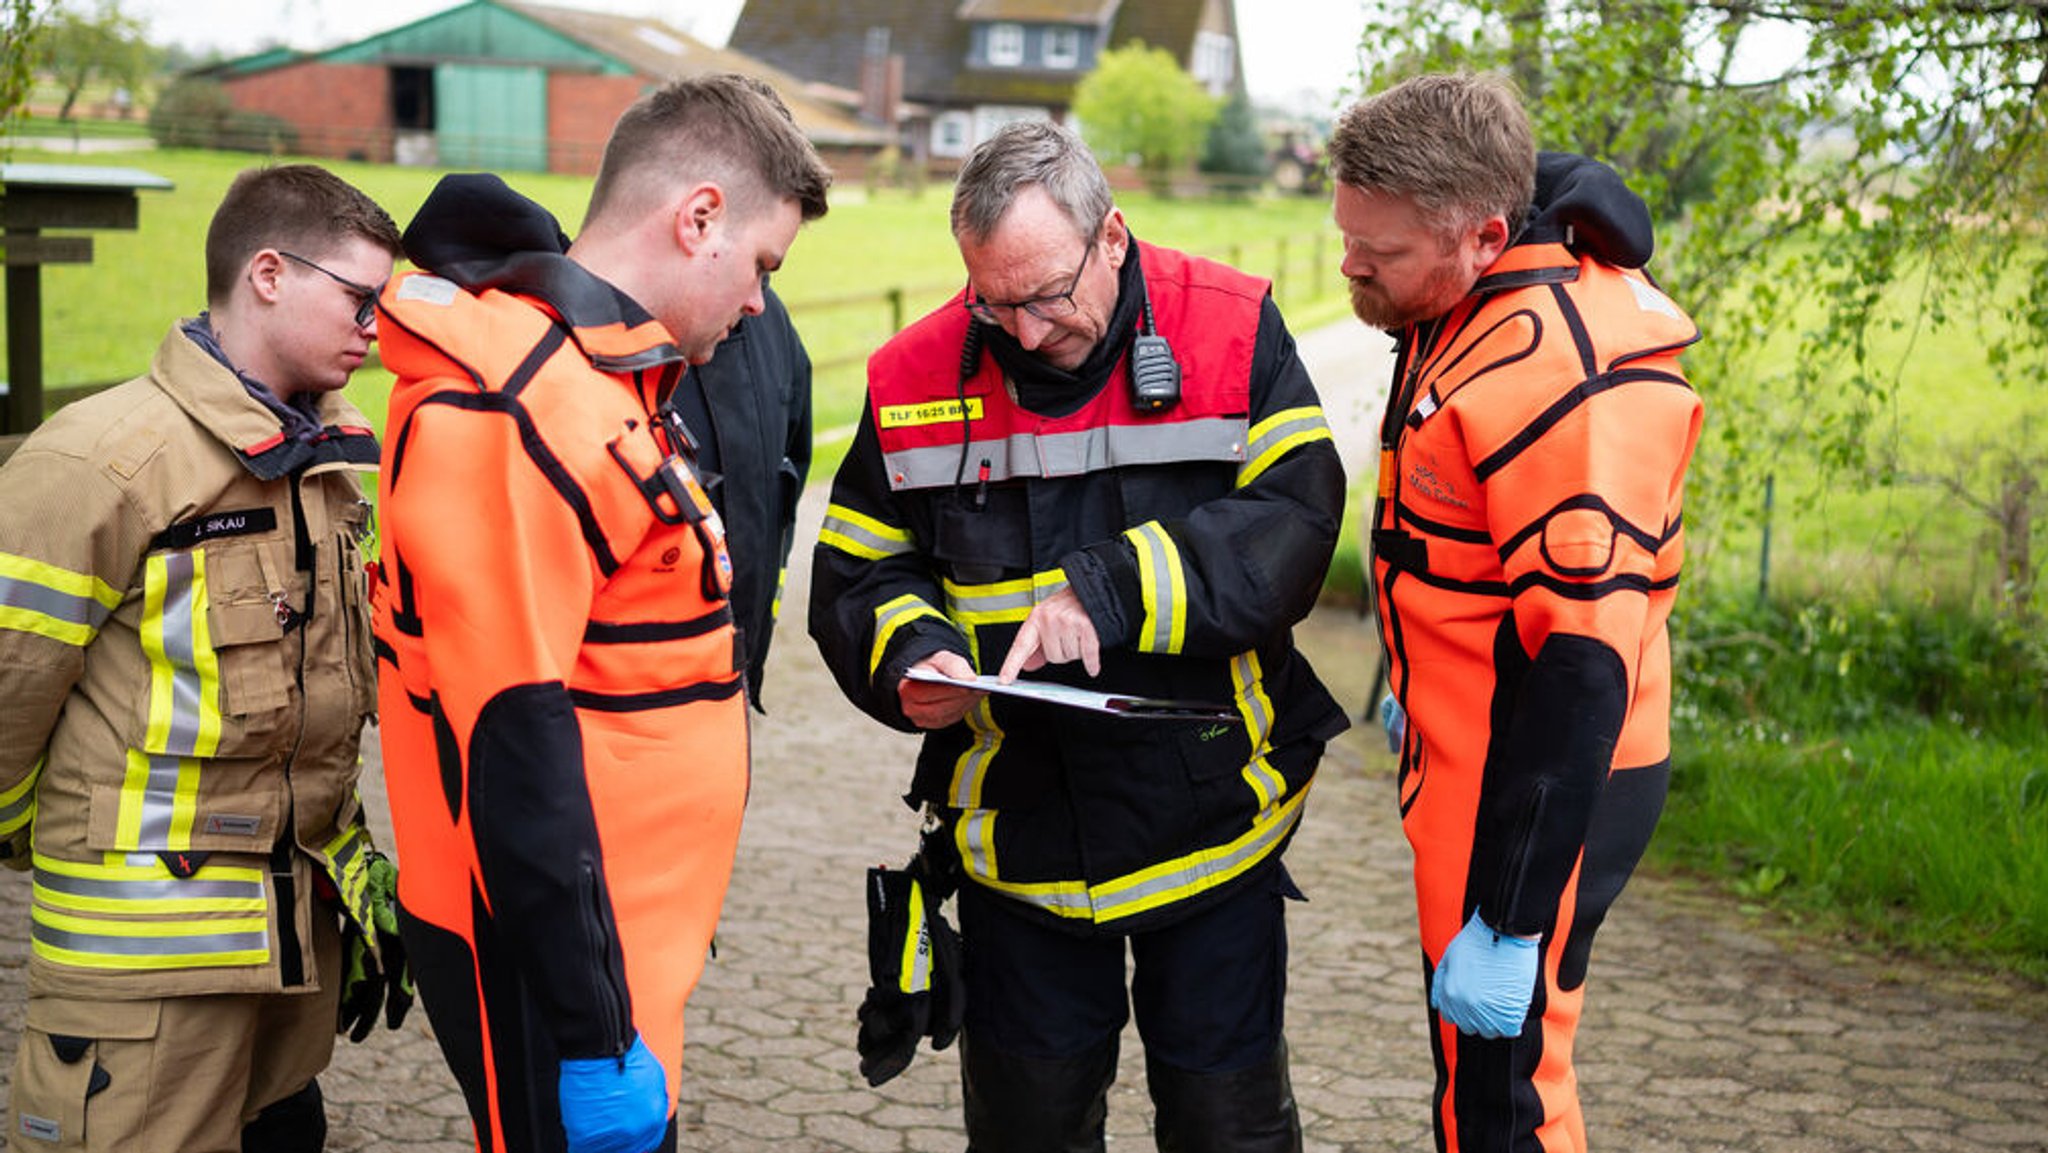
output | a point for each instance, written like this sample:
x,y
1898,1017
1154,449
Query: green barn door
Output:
x,y
491,117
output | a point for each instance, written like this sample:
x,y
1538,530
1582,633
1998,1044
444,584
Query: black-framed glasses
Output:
x,y
1055,306
366,297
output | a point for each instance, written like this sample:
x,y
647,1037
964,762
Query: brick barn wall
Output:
x,y
581,112
341,111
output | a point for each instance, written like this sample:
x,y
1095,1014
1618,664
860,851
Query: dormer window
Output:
x,y
1215,60
1062,47
1005,45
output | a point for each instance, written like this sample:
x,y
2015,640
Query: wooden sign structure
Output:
x,y
33,198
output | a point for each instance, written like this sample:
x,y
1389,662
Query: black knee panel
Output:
x,y
294,1124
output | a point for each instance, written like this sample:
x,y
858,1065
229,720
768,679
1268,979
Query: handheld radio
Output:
x,y
1155,374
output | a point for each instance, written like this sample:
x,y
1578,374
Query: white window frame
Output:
x,y
1063,47
1215,60
952,134
1005,45
989,118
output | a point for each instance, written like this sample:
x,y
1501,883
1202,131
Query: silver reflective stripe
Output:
x,y
1251,698
844,530
970,772
981,603
159,803
149,946
1027,455
1195,877
16,593
1158,577
1279,434
180,655
169,890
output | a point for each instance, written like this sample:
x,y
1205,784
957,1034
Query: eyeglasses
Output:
x,y
1056,306
366,297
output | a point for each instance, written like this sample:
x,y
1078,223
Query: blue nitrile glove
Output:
x,y
1394,721
615,1104
1485,981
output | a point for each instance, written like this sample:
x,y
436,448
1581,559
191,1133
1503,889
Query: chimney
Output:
x,y
881,79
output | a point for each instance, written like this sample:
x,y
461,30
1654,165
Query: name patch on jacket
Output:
x,y
933,412
215,526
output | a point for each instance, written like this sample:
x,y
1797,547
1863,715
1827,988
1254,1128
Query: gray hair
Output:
x,y
1458,145
1022,154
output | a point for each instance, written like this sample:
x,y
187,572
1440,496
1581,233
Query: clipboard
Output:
x,y
1089,700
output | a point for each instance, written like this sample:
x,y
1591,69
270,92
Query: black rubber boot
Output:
x,y
1243,1111
1019,1104
294,1124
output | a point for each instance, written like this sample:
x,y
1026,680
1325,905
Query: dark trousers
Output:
x,y
1045,1007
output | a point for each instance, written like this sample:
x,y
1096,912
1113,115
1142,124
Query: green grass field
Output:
x,y
102,320
1855,799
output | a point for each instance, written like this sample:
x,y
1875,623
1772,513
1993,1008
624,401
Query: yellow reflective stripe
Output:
x,y
159,801
42,599
61,580
162,674
134,783
162,906
970,771
913,972
1001,602
184,686
18,803
1197,872
975,836
1163,584
348,865
1278,435
1150,888
85,942
144,867
1256,707
858,534
891,616
206,663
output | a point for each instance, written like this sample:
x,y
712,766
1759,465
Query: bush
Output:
x,y
189,114
198,113
257,132
1812,668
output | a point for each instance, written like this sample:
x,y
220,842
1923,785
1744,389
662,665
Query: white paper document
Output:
x,y
1115,704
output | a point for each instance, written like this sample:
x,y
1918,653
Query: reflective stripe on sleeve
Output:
x,y
1003,602
1278,435
41,599
893,615
18,804
1164,587
858,534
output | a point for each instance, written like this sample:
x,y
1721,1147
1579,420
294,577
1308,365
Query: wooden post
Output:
x,y
34,197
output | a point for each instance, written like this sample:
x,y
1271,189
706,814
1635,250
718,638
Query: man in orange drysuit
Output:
x,y
1526,550
564,712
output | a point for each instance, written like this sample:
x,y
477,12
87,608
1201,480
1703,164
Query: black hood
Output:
x,y
475,230
1584,205
473,221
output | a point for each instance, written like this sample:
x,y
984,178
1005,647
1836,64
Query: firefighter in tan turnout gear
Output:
x,y
185,668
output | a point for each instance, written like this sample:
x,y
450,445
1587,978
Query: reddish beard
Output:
x,y
1440,291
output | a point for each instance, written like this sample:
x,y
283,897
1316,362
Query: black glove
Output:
x,y
914,972
374,973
